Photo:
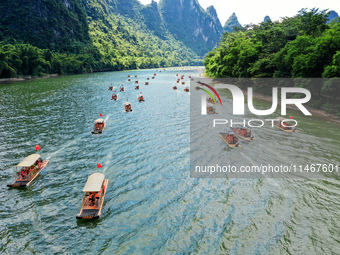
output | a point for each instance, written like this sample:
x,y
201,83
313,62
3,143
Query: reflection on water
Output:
x,y
151,205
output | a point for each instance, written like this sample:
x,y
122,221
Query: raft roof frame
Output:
x,y
99,121
94,182
29,161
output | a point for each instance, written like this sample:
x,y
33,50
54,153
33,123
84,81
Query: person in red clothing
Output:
x,y
23,174
244,132
230,139
92,198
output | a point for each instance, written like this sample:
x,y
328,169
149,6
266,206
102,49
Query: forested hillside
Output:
x,y
54,25
74,36
198,29
297,47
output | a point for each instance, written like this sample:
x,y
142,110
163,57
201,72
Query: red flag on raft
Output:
x,y
291,117
37,147
101,115
99,165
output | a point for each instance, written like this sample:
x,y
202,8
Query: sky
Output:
x,y
250,11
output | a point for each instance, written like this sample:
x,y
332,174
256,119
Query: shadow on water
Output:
x,y
90,224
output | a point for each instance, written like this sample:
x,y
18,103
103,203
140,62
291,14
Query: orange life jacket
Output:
x,y
97,195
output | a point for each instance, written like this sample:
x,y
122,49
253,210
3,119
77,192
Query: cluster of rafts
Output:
x,y
244,132
94,190
231,137
96,185
180,80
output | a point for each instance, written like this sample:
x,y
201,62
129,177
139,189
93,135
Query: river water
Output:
x,y
151,205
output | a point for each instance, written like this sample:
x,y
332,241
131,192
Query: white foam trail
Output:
x,y
178,91
249,159
65,145
107,118
107,161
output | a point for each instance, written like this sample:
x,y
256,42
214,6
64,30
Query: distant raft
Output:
x,y
230,138
244,132
114,97
141,98
93,199
211,109
28,170
127,107
99,126
283,125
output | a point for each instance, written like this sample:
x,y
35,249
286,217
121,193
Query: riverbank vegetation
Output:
x,y
303,46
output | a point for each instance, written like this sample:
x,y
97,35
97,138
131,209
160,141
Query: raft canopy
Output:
x,y
29,161
127,103
94,183
99,121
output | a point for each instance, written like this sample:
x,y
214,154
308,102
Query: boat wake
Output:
x,y
65,145
107,118
249,159
107,161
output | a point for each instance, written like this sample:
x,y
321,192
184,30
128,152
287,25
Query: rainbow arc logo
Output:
x,y
208,92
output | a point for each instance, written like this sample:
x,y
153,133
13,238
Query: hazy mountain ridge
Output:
x,y
190,23
231,23
332,15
